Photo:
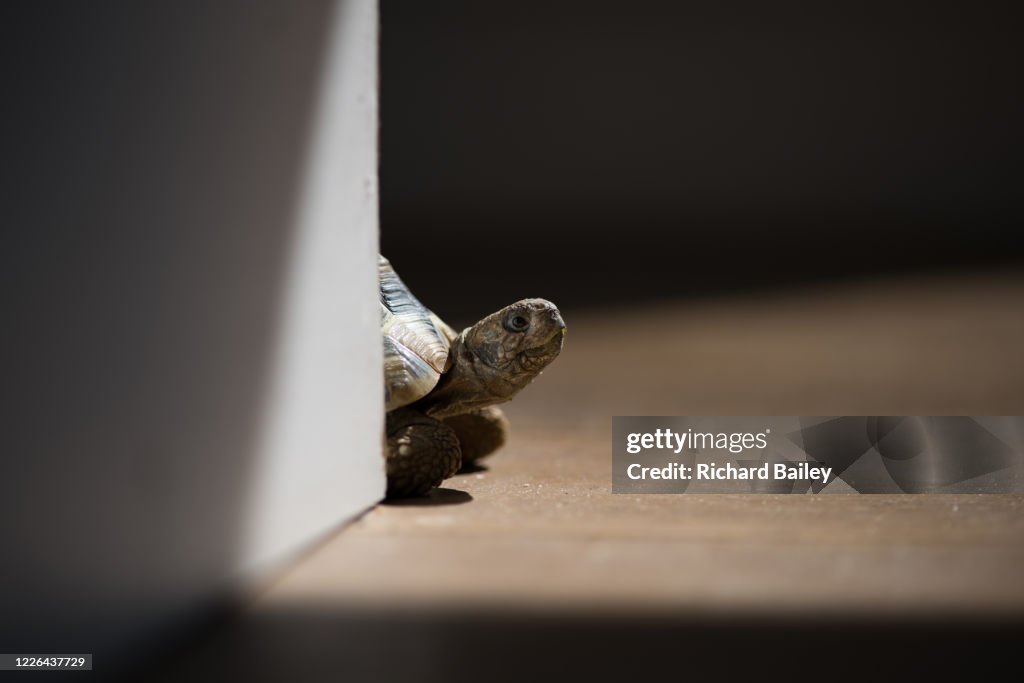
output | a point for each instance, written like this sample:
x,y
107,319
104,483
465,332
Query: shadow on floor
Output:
x,y
436,498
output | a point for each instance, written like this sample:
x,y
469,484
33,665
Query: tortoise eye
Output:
x,y
517,323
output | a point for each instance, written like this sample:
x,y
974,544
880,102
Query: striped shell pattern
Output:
x,y
416,342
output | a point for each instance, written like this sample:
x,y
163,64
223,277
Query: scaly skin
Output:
x,y
491,362
422,452
480,432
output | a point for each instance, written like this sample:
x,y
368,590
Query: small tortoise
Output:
x,y
441,387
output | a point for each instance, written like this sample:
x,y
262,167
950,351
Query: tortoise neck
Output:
x,y
468,385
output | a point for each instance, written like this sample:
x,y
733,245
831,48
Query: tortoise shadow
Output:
x,y
435,498
473,468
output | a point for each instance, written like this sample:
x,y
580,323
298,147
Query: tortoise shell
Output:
x,y
416,342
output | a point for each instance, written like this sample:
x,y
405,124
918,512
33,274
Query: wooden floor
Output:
x,y
538,540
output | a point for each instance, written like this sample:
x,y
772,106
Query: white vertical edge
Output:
x,y
319,458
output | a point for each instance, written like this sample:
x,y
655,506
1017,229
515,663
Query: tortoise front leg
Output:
x,y
421,453
480,432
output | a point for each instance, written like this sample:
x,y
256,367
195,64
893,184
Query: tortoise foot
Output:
x,y
421,453
480,433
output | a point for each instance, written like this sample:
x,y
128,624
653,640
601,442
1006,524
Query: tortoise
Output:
x,y
442,387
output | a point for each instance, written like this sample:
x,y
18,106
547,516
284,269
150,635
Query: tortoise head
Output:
x,y
517,342
494,359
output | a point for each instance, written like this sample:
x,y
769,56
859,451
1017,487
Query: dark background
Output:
x,y
608,152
